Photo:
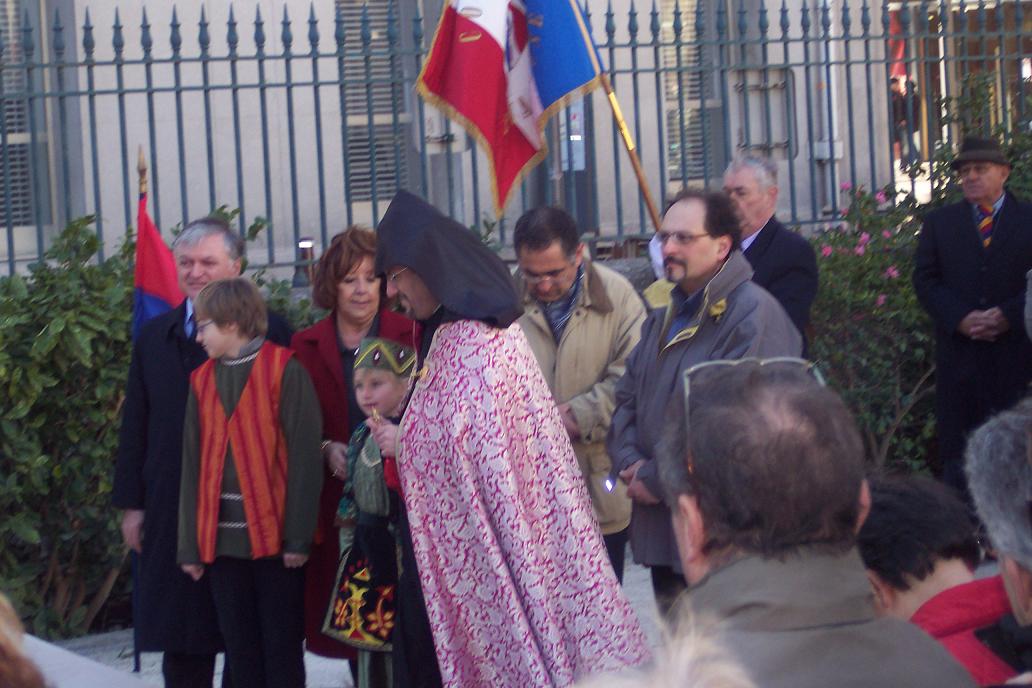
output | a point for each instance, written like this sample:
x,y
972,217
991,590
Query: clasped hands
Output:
x,y
984,325
636,489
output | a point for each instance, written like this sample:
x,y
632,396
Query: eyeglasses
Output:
x,y
393,277
680,238
705,369
539,277
202,325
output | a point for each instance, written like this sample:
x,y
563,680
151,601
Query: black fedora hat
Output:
x,y
975,149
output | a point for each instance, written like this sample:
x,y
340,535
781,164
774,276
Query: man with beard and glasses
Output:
x,y
504,576
716,312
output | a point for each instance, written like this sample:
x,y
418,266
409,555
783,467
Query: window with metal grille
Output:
x,y
694,145
374,89
15,171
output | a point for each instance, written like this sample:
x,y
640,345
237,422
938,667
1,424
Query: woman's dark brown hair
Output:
x,y
344,253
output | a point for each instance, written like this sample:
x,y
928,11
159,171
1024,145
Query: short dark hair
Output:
x,y
721,215
233,301
346,250
774,459
914,523
537,229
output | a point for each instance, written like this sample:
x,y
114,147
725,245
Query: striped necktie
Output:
x,y
985,224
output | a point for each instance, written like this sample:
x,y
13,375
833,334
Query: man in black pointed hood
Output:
x,y
495,512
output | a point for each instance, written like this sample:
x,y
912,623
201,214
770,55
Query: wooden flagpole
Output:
x,y
625,133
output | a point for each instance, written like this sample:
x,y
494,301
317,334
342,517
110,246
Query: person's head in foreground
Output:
x,y
918,540
767,492
774,464
699,231
230,313
16,669
382,372
436,266
344,281
691,656
999,471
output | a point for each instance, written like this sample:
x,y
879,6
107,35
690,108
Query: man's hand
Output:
x,y
636,489
569,421
195,571
132,529
998,323
386,435
292,560
336,454
974,325
627,474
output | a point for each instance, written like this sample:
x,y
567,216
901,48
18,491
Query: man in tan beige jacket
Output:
x,y
582,320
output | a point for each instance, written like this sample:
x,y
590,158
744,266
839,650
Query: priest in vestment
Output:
x,y
502,559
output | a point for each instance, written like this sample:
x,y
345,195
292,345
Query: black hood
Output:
x,y
469,280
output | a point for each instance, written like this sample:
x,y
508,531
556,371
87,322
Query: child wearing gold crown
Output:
x,y
361,610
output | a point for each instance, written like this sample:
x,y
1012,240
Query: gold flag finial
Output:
x,y
141,167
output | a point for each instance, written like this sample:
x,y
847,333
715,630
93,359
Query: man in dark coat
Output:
x,y
969,274
173,614
783,262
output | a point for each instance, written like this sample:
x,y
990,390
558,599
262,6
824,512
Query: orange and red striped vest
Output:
x,y
259,452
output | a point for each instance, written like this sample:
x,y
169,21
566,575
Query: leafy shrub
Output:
x,y
64,352
873,339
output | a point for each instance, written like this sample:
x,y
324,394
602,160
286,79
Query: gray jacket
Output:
x,y
737,319
808,621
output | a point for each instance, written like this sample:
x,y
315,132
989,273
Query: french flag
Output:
x,y
156,287
501,68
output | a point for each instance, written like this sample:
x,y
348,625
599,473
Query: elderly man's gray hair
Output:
x,y
999,476
763,169
201,229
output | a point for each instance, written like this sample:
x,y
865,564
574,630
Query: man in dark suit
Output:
x,y
969,274
173,614
783,262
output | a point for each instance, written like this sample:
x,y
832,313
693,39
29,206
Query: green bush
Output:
x,y
64,358
872,338
64,351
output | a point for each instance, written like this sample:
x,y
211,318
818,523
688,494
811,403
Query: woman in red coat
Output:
x,y
346,285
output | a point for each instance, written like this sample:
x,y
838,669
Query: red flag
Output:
x,y
500,68
155,281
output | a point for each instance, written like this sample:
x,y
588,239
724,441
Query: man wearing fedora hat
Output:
x,y
969,274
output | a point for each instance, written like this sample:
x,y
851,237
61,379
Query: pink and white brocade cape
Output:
x,y
518,587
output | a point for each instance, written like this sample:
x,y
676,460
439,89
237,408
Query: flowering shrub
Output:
x,y
872,339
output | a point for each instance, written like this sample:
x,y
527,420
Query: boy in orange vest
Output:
x,y
250,484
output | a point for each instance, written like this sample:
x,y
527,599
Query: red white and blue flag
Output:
x,y
156,289
501,68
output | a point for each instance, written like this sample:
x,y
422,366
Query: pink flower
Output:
x,y
826,251
886,234
865,239
892,272
859,250
845,186
880,301
880,197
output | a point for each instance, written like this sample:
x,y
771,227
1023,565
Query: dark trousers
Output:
x,y
260,605
181,670
616,547
412,641
667,584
